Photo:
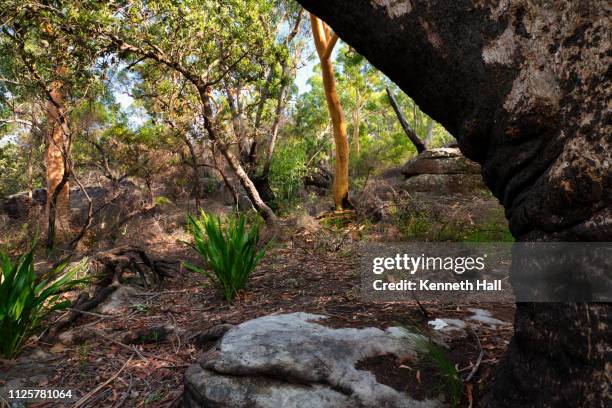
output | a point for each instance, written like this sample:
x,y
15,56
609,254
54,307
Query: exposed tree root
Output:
x,y
110,266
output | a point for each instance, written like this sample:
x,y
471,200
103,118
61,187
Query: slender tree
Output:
x,y
414,138
324,43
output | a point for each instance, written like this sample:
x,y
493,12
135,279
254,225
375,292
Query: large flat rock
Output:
x,y
295,361
443,160
445,183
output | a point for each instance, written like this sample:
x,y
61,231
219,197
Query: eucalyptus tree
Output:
x,y
325,42
42,65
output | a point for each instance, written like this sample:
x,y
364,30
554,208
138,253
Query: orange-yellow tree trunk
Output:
x,y
324,44
56,149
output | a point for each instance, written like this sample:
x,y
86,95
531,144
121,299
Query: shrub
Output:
x,y
287,172
25,299
230,251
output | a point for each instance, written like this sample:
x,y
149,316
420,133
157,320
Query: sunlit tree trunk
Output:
x,y
324,43
58,202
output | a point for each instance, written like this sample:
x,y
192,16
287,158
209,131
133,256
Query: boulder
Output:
x,y
444,160
444,183
294,360
18,205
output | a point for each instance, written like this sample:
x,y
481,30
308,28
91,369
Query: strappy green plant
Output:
x,y
26,299
230,251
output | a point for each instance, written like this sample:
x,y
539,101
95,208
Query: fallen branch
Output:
x,y
478,360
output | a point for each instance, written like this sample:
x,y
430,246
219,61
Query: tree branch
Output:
x,y
407,129
330,46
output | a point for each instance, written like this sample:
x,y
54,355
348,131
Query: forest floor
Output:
x,y
107,362
133,350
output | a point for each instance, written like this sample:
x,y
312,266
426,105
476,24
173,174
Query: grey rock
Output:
x,y
212,334
444,183
244,203
293,360
444,160
119,301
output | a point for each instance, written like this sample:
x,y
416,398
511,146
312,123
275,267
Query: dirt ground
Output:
x,y
108,363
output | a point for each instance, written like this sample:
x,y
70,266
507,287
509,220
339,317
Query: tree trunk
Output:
x,y
524,87
265,211
264,94
429,137
238,125
324,43
420,147
280,102
56,159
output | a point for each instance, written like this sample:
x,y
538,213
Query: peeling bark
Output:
x,y
55,157
524,87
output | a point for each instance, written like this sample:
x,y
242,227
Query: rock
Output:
x,y
119,301
444,160
450,328
444,183
18,205
75,336
294,361
212,334
244,203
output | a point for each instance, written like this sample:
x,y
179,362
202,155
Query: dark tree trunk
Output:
x,y
524,87
420,147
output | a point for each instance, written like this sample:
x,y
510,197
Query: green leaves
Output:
x,y
230,251
26,299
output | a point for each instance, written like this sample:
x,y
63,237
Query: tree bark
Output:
x,y
56,149
56,160
524,87
226,181
420,147
324,43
